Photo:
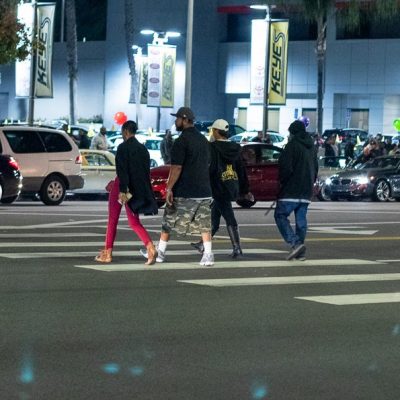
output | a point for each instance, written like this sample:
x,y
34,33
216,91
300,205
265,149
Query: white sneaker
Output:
x,y
160,255
207,260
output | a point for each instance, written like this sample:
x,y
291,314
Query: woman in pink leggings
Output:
x,y
114,211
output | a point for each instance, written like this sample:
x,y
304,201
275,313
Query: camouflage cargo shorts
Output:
x,y
187,216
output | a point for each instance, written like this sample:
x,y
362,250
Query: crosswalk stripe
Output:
x,y
293,280
124,253
130,243
49,234
225,264
351,299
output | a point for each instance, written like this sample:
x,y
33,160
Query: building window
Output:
x,y
239,27
369,28
91,20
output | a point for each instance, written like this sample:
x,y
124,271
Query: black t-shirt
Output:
x,y
191,151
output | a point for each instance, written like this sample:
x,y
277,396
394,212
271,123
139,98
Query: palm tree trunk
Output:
x,y
321,52
72,57
130,37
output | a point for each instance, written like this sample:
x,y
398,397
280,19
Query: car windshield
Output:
x,y
152,144
384,163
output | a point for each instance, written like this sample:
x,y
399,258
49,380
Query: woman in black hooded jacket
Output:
x,y
228,179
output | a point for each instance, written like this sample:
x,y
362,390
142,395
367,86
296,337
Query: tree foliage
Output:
x,y
14,37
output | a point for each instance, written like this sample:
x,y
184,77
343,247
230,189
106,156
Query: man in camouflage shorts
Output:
x,y
188,199
187,217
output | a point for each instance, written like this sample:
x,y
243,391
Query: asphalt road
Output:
x,y
258,328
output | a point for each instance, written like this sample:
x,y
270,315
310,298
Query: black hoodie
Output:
x,y
226,152
298,165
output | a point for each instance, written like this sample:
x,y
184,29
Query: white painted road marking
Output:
x,y
293,280
354,230
349,299
225,264
124,253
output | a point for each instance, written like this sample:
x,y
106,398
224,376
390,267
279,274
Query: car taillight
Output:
x,y
13,164
78,159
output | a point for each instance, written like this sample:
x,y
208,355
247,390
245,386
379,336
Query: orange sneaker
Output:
x,y
105,256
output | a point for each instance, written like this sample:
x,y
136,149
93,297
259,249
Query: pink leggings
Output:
x,y
114,211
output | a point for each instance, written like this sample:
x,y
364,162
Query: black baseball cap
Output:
x,y
184,112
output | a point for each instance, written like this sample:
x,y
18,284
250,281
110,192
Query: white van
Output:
x,y
49,160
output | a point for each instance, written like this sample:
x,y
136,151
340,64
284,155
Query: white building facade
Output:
x,y
362,80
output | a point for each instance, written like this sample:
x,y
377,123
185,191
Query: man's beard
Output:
x,y
179,128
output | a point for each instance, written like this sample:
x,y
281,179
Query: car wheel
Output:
x,y
324,194
9,200
153,163
382,191
245,203
53,191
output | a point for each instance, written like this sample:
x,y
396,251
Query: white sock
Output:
x,y
207,247
162,245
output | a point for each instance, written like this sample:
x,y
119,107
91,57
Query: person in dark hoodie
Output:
x,y
298,170
228,179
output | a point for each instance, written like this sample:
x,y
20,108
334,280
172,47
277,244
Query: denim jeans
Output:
x,y
282,212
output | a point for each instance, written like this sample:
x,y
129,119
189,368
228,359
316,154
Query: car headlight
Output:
x,y
328,181
362,180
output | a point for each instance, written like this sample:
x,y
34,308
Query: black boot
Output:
x,y
199,246
233,232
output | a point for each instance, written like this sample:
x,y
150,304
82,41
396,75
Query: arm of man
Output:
x,y
286,163
174,174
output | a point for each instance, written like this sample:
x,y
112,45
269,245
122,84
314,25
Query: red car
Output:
x,y
261,161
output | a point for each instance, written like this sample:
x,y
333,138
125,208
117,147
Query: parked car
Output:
x,y
261,161
327,166
378,179
49,160
98,168
204,127
346,133
152,144
10,179
276,138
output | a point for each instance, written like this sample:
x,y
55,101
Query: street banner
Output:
x,y
278,49
44,60
168,76
155,59
259,35
23,68
143,79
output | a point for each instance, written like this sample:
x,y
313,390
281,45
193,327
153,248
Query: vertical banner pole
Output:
x,y
31,102
266,77
189,44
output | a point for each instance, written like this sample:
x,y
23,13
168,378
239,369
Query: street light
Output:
x,y
160,38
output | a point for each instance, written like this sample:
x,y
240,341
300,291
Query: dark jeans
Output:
x,y
221,207
282,212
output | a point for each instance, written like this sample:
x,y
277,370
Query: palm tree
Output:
x,y
72,56
351,13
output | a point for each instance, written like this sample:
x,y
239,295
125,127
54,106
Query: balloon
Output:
x,y
396,124
305,120
120,117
